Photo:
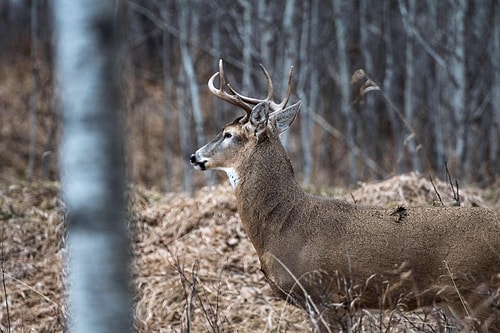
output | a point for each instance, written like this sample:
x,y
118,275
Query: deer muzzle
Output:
x,y
197,162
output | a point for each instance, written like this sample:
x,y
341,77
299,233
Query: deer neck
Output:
x,y
267,192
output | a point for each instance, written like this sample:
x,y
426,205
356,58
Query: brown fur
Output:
x,y
428,246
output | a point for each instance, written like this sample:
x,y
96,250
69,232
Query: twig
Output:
x,y
435,190
370,85
449,178
31,288
327,127
309,304
456,288
186,284
456,195
191,294
353,198
4,286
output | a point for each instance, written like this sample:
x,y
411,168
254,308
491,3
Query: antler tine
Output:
x,y
245,102
270,92
288,91
255,101
270,88
221,92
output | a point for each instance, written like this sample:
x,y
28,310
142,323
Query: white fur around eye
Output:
x,y
232,175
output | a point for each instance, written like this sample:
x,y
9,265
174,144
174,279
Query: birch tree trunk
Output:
x,y
188,67
265,33
344,84
289,46
495,128
187,183
308,88
390,85
92,166
303,90
246,34
433,93
369,110
34,89
167,93
186,28
457,92
218,106
408,14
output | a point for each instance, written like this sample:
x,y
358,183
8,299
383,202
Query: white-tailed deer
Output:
x,y
326,255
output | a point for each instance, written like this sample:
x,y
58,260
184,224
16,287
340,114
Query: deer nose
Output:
x,y
197,164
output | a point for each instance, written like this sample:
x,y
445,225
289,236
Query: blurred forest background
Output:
x,y
429,92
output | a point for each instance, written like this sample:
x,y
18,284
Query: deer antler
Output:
x,y
270,92
244,102
224,95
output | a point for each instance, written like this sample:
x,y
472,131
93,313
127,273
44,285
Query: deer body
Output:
x,y
305,243
307,234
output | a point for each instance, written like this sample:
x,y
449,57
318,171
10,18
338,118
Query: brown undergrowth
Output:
x,y
194,268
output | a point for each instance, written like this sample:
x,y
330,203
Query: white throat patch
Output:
x,y
232,175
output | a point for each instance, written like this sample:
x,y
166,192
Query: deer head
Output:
x,y
264,119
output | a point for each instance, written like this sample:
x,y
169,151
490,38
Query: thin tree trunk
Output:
x,y
289,47
408,14
265,32
390,86
433,91
184,132
369,110
217,104
191,81
344,84
188,67
48,150
92,166
458,81
246,34
34,89
308,89
167,93
494,155
303,92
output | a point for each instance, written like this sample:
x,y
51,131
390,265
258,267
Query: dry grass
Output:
x,y
412,189
32,251
194,267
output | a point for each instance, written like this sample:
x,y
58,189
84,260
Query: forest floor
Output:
x,y
194,268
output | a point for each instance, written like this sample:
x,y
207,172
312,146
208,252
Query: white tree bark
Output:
x,y
188,26
344,84
308,88
167,95
266,35
92,166
246,34
434,89
188,67
369,22
288,44
187,184
408,14
34,89
495,130
389,85
458,81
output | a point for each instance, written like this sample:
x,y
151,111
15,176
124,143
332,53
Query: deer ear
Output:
x,y
283,119
258,118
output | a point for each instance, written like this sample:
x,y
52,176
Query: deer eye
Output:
x,y
227,135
